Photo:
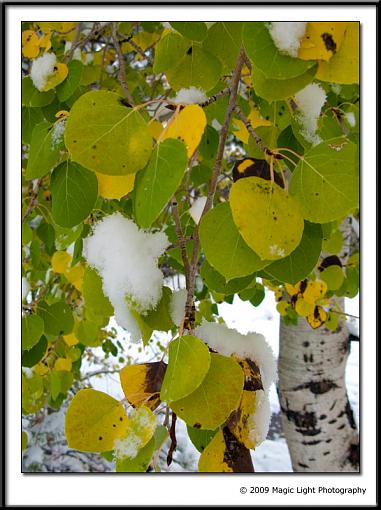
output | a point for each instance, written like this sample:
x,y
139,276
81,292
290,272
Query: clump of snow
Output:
x,y
253,346
166,25
351,119
58,132
126,259
177,306
28,372
34,455
259,421
276,250
216,125
310,101
42,68
25,288
193,95
127,447
197,207
287,35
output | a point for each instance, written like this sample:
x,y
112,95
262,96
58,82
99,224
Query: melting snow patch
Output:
x,y
58,132
42,68
310,101
193,95
275,250
253,346
197,207
126,259
127,447
34,455
351,119
287,35
259,421
25,288
177,306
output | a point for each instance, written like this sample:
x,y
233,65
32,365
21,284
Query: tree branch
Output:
x,y
258,140
172,435
122,66
33,200
189,306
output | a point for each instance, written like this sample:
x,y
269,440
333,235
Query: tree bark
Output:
x,y
317,417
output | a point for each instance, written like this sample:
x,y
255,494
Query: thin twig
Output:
x,y
122,66
172,435
215,98
258,140
75,42
189,306
33,200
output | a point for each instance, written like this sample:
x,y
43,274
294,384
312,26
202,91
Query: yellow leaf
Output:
x,y
344,65
60,261
156,128
94,421
58,76
61,114
303,308
317,318
255,120
70,339
75,276
322,40
293,289
45,42
115,186
141,383
212,459
63,364
188,126
241,421
314,290
30,45
41,369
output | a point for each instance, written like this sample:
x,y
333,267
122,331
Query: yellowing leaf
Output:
x,y
142,383
268,218
344,65
45,42
94,421
58,76
282,308
255,120
115,186
41,369
303,308
293,289
240,421
30,44
187,126
61,114
155,128
140,429
70,339
75,275
212,459
318,318
315,290
63,364
60,261
321,40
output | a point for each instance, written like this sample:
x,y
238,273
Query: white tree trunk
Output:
x,y
317,418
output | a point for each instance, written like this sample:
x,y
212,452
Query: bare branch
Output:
x,y
122,66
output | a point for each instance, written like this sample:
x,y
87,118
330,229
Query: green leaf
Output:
x,y
66,236
88,333
30,117
208,145
326,181
60,382
197,68
333,276
200,438
32,328
268,218
58,318
168,51
215,281
218,395
94,421
74,193
224,40
302,260
67,88
188,364
273,89
93,294
224,247
262,51
43,153
32,97
160,319
104,135
24,440
138,464
269,136
157,183
35,354
194,30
